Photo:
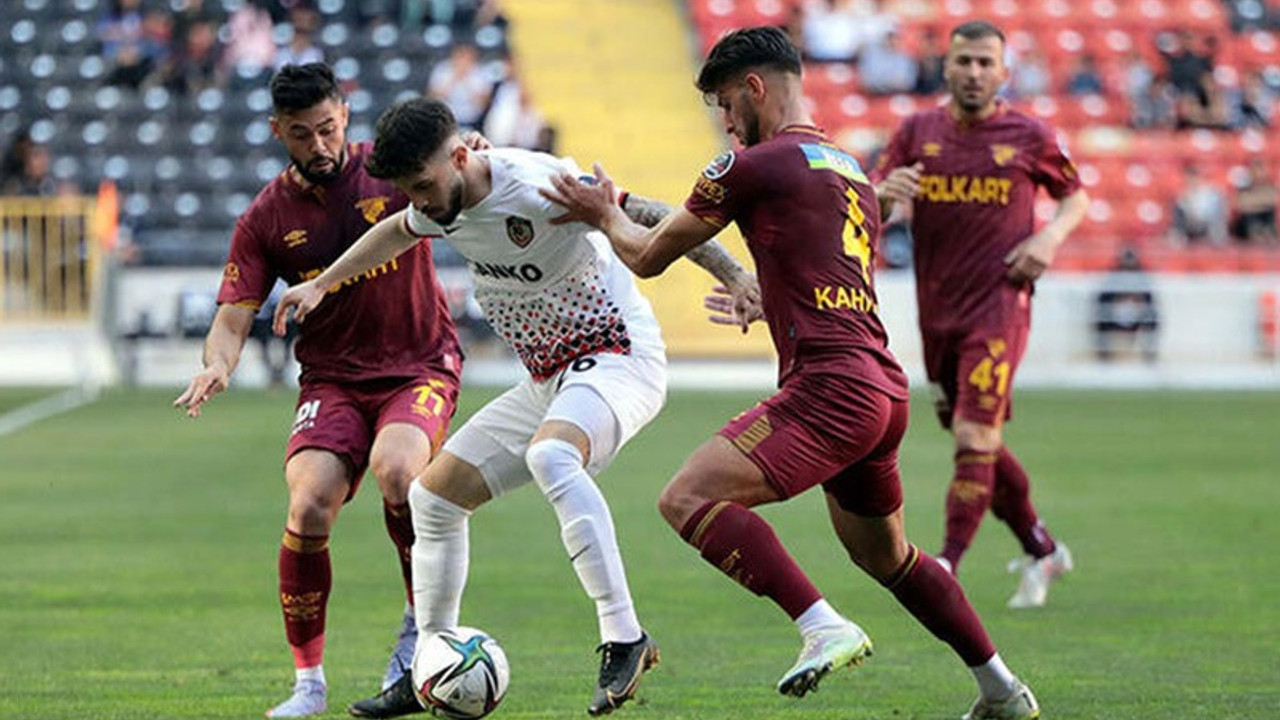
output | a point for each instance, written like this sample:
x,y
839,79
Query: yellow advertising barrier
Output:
x,y
50,255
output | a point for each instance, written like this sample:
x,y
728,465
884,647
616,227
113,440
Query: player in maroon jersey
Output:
x,y
971,169
380,361
811,222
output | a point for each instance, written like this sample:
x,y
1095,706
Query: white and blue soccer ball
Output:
x,y
460,673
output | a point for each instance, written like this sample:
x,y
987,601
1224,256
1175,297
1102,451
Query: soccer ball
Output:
x,y
460,673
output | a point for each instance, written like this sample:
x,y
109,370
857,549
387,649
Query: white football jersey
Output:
x,y
553,293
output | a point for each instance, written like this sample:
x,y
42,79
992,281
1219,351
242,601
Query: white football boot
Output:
x,y
1037,575
1021,705
827,649
309,698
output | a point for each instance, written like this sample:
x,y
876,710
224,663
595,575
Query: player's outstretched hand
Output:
x,y
586,199
740,306
211,381
302,299
901,184
1028,261
476,141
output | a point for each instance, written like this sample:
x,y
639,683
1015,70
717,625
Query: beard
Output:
x,y
750,127
317,177
454,208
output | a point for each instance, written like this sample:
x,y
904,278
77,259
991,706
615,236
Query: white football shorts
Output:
x,y
609,397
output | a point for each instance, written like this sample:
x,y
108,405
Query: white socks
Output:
x,y
315,674
586,528
819,615
441,557
995,682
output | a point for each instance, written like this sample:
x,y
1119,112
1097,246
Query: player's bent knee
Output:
x,y
394,476
312,513
552,462
677,503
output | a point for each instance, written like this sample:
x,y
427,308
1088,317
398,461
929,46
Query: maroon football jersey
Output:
x,y
812,225
976,203
391,322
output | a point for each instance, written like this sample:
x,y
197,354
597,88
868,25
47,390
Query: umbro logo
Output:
x,y
294,238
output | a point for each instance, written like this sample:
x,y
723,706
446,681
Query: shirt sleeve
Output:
x,y
895,154
419,225
723,190
1053,167
247,278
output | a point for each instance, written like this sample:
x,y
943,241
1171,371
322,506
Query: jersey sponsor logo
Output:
x,y
524,273
719,166
931,149
383,269
710,189
966,189
294,238
231,273
840,297
1002,154
373,208
519,230
827,157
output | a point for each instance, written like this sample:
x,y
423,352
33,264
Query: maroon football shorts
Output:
x,y
829,430
972,372
344,418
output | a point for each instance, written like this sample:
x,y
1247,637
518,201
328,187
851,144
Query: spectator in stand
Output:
x,y
1254,220
932,55
513,120
1257,102
134,43
196,64
885,68
1156,107
464,14
462,84
1205,109
1185,62
1031,75
838,30
26,170
1200,211
1084,78
250,45
301,49
1136,76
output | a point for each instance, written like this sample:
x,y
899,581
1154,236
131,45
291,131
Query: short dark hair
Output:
x,y
976,30
295,88
747,48
408,134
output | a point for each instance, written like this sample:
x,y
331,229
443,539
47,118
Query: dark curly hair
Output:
x,y
295,88
747,48
407,135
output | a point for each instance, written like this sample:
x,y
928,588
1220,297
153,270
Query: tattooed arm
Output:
x,y
710,255
736,301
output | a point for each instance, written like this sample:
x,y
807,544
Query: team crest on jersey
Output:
x,y
931,149
372,208
996,347
231,273
719,167
519,230
1002,154
294,238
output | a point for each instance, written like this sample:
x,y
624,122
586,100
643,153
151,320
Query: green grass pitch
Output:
x,y
138,551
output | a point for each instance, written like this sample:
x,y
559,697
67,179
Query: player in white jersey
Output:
x,y
569,309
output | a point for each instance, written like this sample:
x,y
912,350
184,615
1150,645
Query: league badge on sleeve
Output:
x,y
519,230
719,167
